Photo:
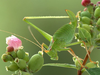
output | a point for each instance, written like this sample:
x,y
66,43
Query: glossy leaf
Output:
x,y
93,71
46,35
72,17
64,65
84,35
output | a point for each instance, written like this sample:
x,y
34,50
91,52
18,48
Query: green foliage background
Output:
x,y
12,13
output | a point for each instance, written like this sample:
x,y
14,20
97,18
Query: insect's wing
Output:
x,y
63,36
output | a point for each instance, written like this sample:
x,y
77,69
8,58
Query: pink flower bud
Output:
x,y
14,42
85,2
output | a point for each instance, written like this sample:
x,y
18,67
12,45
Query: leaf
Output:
x,y
84,35
93,71
46,35
64,65
72,17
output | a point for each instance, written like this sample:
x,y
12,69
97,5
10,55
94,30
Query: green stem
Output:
x,y
46,17
75,43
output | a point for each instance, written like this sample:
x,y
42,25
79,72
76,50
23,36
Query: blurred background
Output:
x,y
12,13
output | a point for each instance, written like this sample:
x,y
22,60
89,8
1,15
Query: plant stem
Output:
x,y
84,62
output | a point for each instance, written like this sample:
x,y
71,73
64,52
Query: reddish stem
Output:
x,y
84,62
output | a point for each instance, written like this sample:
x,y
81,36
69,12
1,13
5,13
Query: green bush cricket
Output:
x,y
61,38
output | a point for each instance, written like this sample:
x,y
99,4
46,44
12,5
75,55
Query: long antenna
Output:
x,y
21,37
33,35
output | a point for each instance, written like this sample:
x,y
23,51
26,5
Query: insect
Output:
x,y
61,38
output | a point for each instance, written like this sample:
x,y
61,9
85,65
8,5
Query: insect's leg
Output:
x,y
46,17
43,49
72,53
76,57
46,35
88,53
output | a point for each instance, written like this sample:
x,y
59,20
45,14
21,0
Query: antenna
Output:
x,y
21,37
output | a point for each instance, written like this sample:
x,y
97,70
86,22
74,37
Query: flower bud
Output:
x,y
21,63
91,8
85,2
98,22
85,14
20,53
14,42
86,20
10,49
78,66
6,58
98,3
26,58
88,28
13,54
35,63
12,67
92,65
97,12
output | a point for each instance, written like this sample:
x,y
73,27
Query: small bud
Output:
x,y
35,63
98,3
21,63
10,49
85,9
78,66
6,58
91,8
85,2
92,65
13,54
88,28
86,20
98,22
26,58
12,67
20,53
85,14
97,12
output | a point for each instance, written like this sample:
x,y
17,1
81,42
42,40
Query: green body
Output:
x,y
61,37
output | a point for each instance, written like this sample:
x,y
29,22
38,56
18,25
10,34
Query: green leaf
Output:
x,y
64,65
93,71
46,35
84,35
72,17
